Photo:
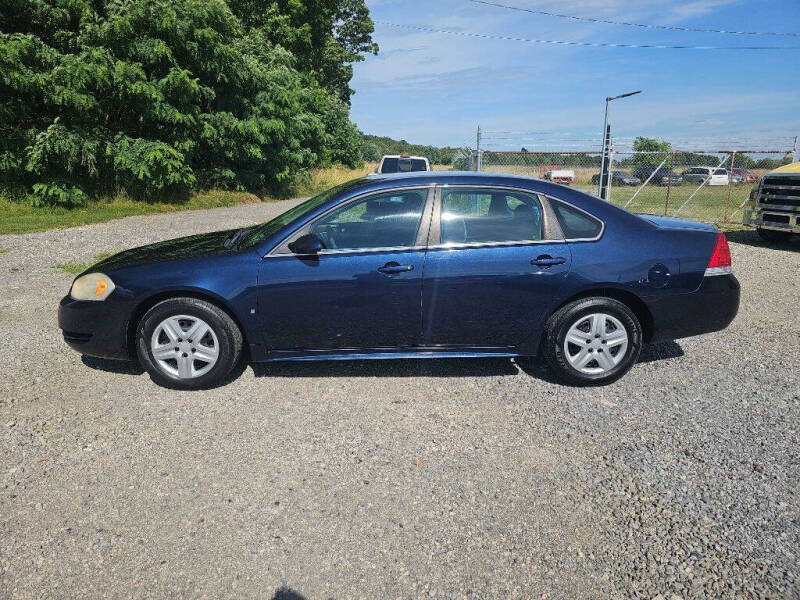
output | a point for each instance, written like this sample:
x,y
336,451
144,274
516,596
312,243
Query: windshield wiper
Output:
x,y
238,236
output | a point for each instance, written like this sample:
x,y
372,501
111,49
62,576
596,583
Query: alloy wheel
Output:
x,y
596,343
184,347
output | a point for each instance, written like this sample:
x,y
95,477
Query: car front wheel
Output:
x,y
593,341
187,343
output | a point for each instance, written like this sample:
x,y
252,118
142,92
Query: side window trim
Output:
x,y
588,214
282,248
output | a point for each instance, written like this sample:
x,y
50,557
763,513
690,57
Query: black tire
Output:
x,y
228,336
559,324
770,235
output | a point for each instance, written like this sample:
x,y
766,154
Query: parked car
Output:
x,y
402,163
774,208
745,175
618,178
662,176
562,176
422,265
707,175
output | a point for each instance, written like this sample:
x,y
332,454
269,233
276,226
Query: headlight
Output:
x,y
92,286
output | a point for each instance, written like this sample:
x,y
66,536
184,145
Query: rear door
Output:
x,y
491,277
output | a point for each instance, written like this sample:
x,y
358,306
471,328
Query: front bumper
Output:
x,y
774,219
95,328
710,308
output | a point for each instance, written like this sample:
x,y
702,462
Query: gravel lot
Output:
x,y
451,479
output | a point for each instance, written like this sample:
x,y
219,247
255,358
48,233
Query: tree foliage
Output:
x,y
650,151
386,145
159,97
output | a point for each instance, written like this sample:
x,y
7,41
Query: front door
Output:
x,y
491,280
363,290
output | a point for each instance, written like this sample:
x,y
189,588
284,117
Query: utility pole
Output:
x,y
604,164
601,186
479,155
794,151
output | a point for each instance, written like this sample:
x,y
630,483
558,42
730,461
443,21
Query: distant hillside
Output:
x,y
375,146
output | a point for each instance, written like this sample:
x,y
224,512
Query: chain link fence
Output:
x,y
711,186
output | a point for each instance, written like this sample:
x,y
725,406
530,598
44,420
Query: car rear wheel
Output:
x,y
771,235
593,341
187,343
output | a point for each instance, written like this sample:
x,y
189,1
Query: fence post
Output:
x,y
730,184
669,183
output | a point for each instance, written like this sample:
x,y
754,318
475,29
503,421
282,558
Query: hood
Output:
x,y
193,246
790,168
673,223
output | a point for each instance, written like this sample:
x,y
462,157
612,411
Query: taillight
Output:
x,y
720,263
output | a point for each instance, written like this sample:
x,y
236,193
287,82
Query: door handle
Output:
x,y
545,260
392,268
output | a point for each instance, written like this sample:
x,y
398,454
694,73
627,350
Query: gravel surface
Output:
x,y
448,479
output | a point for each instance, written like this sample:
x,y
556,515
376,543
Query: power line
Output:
x,y
643,25
573,43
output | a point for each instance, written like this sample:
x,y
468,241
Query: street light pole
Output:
x,y
607,141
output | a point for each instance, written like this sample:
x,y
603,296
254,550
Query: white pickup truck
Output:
x,y
402,163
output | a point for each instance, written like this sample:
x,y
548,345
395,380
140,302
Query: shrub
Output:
x,y
158,97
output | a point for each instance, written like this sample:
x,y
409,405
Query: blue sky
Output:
x,y
436,88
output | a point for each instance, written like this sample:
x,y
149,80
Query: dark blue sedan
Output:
x,y
416,265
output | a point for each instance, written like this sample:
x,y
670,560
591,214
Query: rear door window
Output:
x,y
485,215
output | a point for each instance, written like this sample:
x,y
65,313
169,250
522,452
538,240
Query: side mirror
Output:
x,y
307,244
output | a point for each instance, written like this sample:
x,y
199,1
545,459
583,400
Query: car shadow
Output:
x,y
439,367
750,238
433,367
429,367
286,593
121,367
660,351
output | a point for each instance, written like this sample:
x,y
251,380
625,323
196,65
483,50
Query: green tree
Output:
x,y
649,151
370,152
326,36
159,97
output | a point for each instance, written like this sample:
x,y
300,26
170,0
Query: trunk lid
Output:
x,y
675,223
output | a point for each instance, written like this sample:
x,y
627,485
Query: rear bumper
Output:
x,y
95,328
776,220
710,308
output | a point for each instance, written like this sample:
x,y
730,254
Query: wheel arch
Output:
x,y
150,301
629,299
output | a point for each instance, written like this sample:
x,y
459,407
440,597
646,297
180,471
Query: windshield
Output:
x,y
262,232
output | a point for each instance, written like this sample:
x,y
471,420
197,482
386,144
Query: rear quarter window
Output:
x,y
576,224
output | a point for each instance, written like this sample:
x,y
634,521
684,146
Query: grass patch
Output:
x,y
20,217
3,250
318,180
17,217
75,268
71,268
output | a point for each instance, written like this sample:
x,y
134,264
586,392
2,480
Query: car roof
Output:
x,y
445,176
403,156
